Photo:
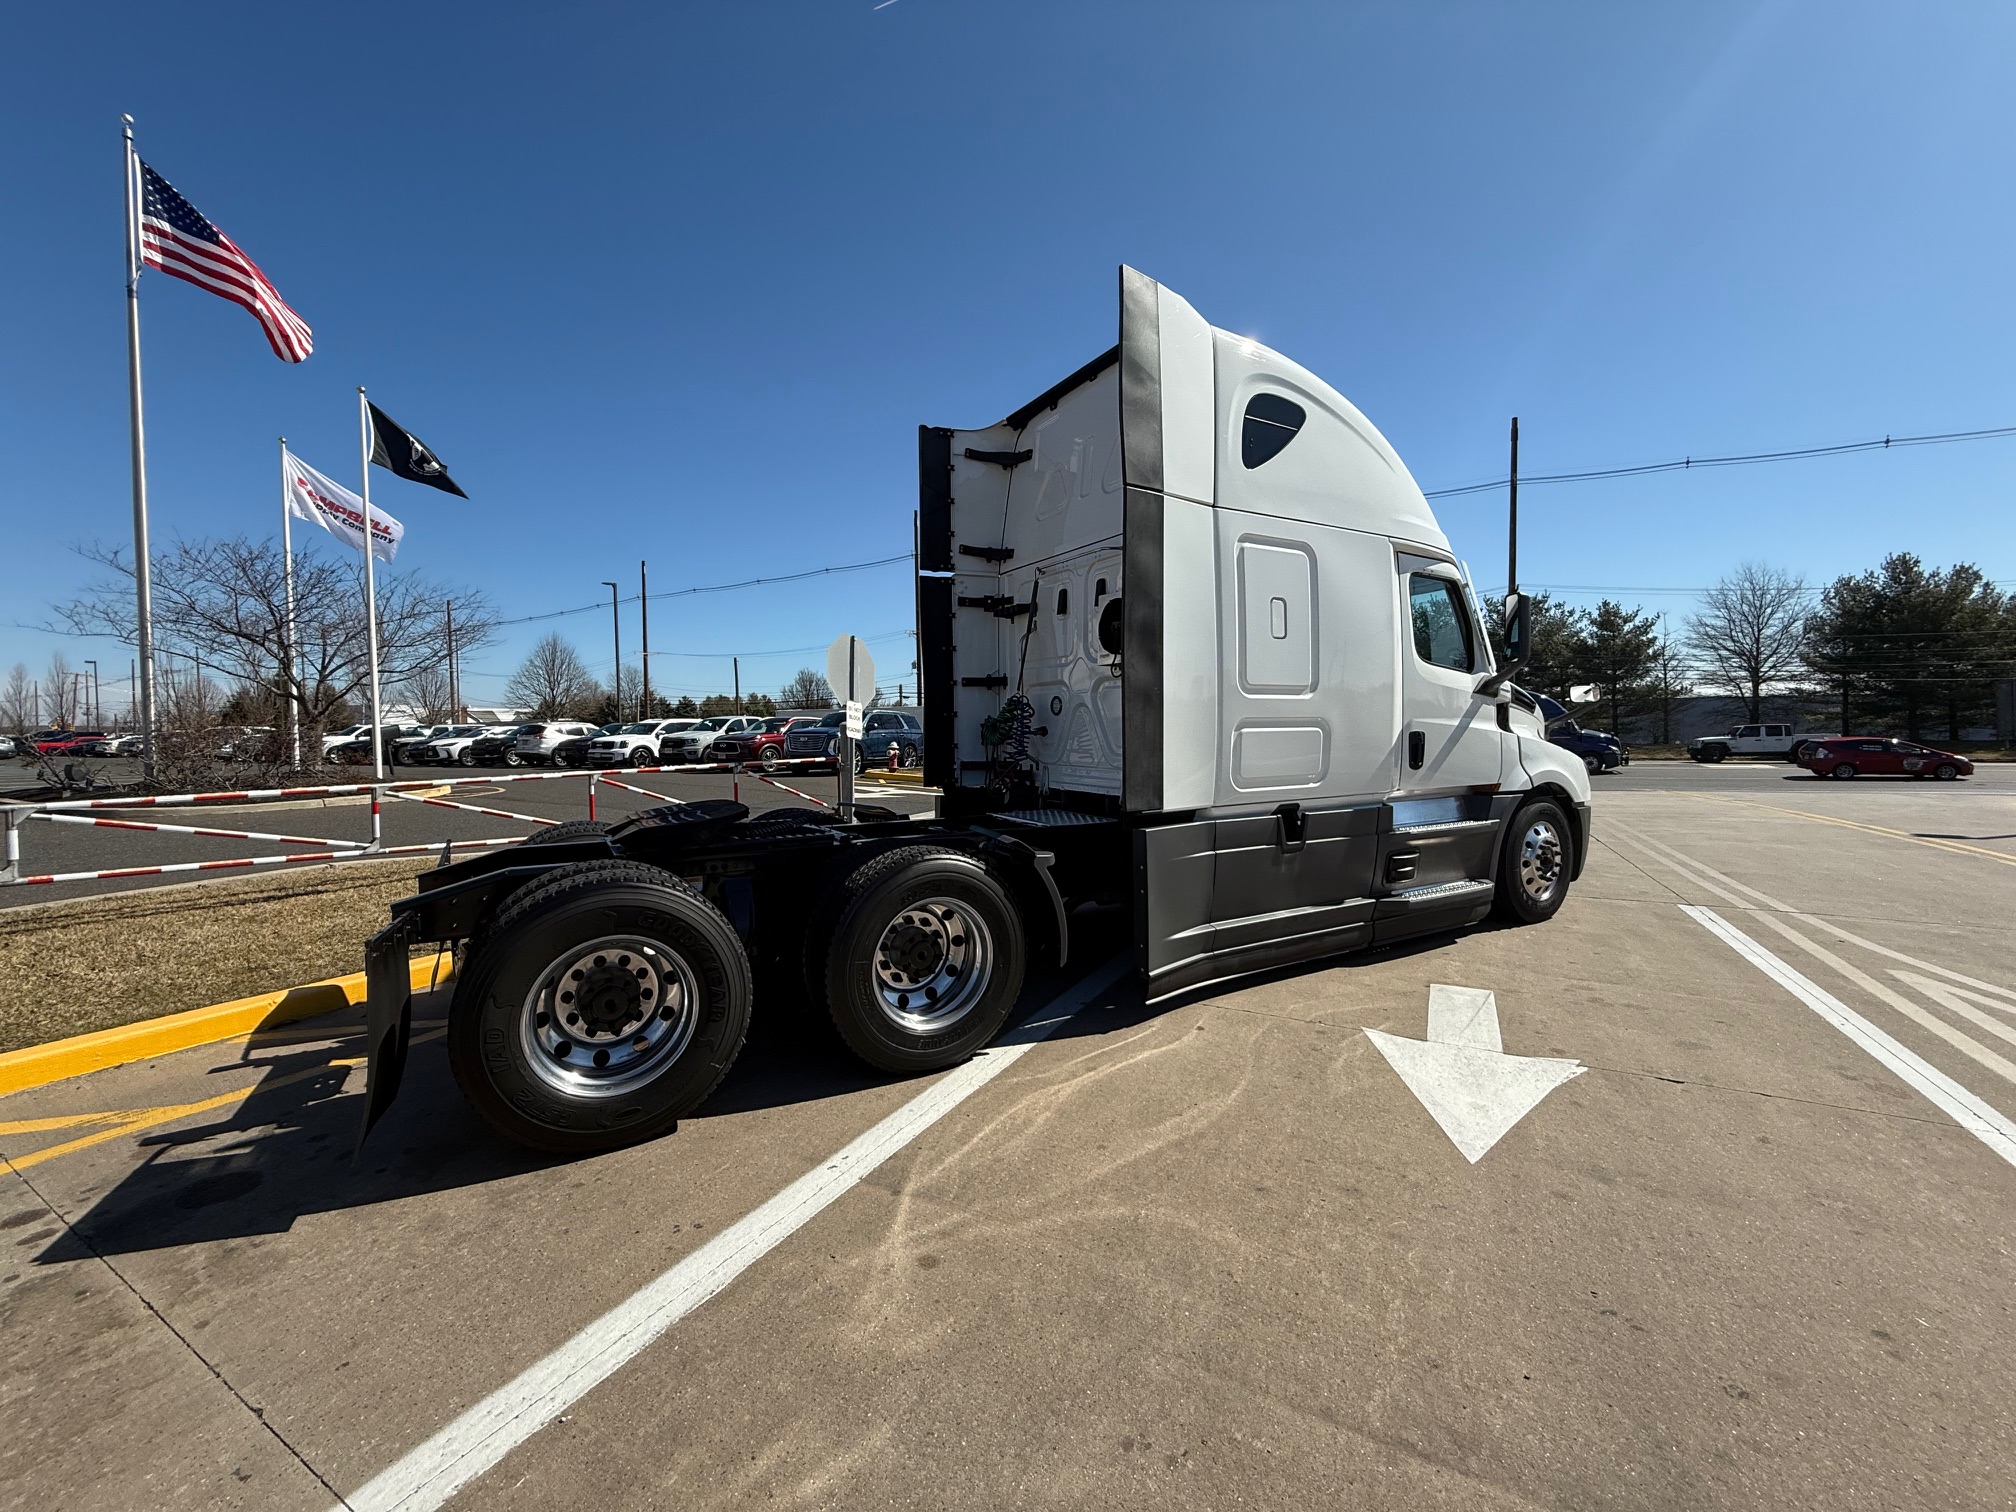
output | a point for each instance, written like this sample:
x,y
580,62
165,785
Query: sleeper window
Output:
x,y
1441,628
1271,423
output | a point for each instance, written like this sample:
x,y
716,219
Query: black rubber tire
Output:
x,y
466,758
1843,771
567,829
1595,767
771,757
1513,903
1946,771
845,935
568,907
641,757
1717,754
513,759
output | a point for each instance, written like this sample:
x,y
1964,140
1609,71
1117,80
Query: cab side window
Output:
x,y
1441,625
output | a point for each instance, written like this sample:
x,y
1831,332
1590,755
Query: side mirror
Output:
x,y
1518,630
1584,693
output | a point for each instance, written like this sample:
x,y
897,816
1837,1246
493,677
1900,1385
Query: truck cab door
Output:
x,y
1449,735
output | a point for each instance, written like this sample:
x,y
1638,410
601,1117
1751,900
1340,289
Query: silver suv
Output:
x,y
692,744
536,741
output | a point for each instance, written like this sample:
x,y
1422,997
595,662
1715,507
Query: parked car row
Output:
x,y
739,738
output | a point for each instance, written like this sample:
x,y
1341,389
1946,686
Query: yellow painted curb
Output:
x,y
39,1065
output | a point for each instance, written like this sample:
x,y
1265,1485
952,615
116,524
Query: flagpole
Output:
x,y
288,674
370,585
142,561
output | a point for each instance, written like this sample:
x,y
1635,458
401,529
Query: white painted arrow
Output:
x,y
1463,1076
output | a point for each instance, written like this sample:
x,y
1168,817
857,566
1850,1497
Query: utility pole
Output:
x,y
91,718
644,614
738,682
1512,530
454,697
616,633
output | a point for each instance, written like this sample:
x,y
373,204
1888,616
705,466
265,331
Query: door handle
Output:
x,y
1417,749
1294,826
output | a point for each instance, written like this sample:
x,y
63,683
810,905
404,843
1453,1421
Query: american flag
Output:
x,y
175,237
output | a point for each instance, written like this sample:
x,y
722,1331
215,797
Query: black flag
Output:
x,y
399,451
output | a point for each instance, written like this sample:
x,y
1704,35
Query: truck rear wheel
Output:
x,y
567,829
923,960
1534,863
605,1001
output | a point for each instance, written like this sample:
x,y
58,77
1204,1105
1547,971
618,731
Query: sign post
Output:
x,y
850,673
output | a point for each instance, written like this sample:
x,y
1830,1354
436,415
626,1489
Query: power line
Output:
x,y
1743,459
788,577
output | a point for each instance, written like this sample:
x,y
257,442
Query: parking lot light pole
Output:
x,y
644,615
616,634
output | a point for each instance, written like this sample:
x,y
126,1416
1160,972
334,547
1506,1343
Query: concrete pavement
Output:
x,y
1207,1252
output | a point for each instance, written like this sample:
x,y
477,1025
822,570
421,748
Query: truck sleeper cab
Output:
x,y
1190,639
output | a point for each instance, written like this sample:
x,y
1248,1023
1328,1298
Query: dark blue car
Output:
x,y
1599,752
880,730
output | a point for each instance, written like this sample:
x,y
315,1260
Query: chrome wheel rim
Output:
x,y
932,965
1540,860
609,1015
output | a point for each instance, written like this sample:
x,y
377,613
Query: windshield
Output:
x,y
712,724
646,728
837,717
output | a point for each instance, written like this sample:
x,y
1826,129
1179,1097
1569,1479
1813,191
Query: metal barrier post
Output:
x,y
377,832
593,779
10,864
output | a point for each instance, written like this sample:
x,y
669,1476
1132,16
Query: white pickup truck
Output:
x,y
1773,742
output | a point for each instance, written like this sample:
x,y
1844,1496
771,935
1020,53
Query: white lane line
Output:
x,y
1965,1109
1662,852
432,1473
1965,1043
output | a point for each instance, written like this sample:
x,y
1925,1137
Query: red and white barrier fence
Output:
x,y
90,811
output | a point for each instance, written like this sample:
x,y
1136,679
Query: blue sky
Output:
x,y
678,282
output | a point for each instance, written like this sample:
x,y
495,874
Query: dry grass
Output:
x,y
98,962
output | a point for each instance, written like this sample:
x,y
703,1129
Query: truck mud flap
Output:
x,y
388,1010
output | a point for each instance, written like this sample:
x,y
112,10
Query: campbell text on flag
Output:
x,y
176,238
310,496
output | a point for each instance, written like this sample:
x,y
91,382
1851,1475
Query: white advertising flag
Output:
x,y
311,496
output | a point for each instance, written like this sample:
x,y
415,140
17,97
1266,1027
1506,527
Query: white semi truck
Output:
x,y
1192,643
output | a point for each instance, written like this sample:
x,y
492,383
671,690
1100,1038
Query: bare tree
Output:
x,y
224,602
1750,632
430,696
808,690
59,690
552,680
17,701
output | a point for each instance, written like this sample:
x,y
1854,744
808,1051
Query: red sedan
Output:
x,y
1859,756
63,742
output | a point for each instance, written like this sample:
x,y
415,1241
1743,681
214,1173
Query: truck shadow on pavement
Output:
x,y
285,1150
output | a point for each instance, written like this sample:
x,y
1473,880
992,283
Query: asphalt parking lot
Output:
x,y
60,849
1737,1235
